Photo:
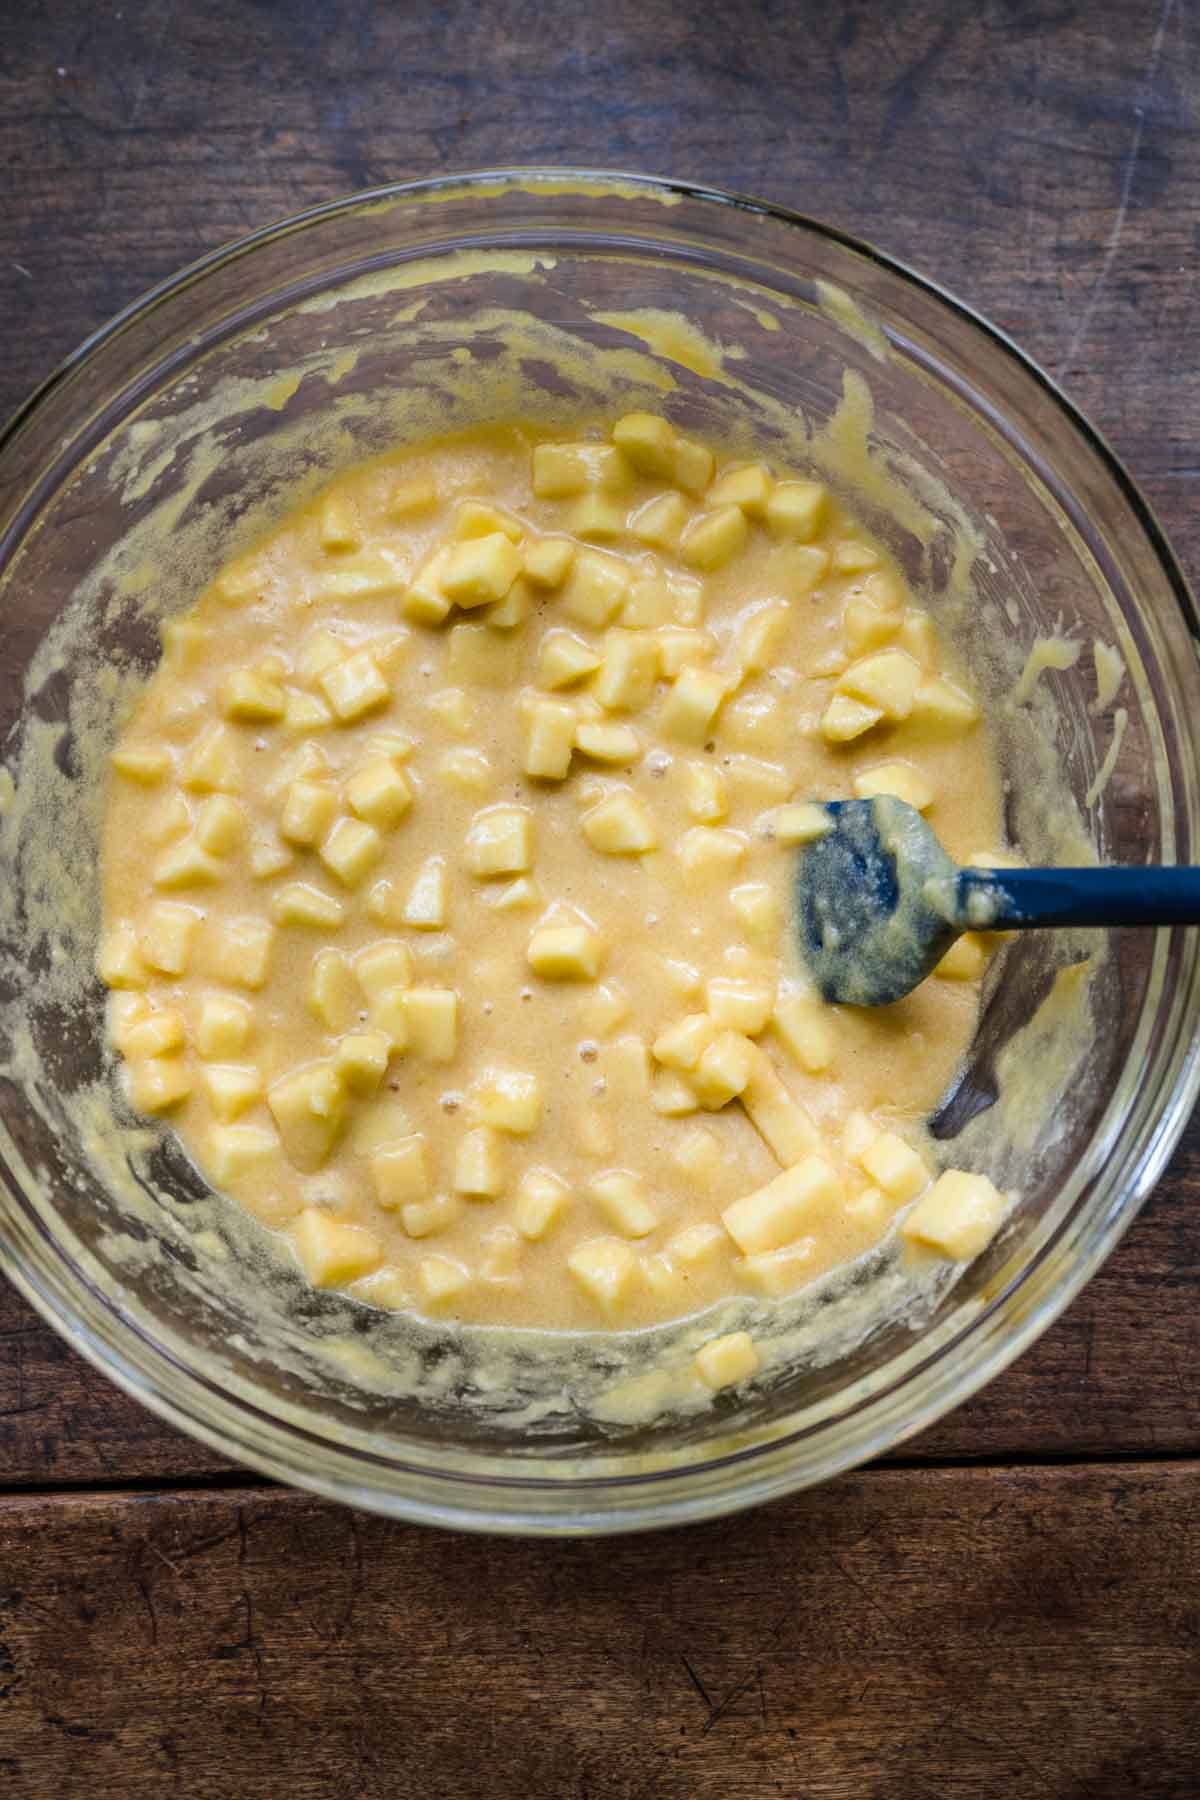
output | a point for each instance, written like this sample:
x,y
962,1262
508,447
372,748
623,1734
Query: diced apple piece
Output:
x,y
549,740
778,1213
560,471
595,590
241,953
309,1109
211,764
795,509
332,994
167,936
942,706
895,1167
851,558
795,569
725,1361
224,1026
805,1028
499,842
564,659
648,442
749,487
898,779
119,961
778,1117
887,680
672,1095
713,539
309,809
380,793
251,699
432,1015
508,1100
566,953
690,709
427,903
723,1071
351,850
736,1005
616,745
451,706
424,603
399,1173
333,1251
548,561
354,686
142,764
442,1280
958,1217
235,1151
417,494
542,1199
629,671
151,1033
476,519
918,636
845,719
698,1156
337,522
605,1269
480,570
660,524
156,1083
515,896
504,616
681,1046
361,1060
300,903
479,1165
708,850
597,518
220,824
231,1089
681,647
186,865
620,825
694,464
622,1199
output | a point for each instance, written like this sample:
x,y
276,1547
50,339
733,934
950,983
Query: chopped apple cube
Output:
x,y
735,1005
332,995
154,1084
354,686
707,850
542,1199
224,1026
564,659
548,561
725,1361
648,442
425,1218
749,487
549,740
119,961
888,680
427,903
796,569
895,1167
681,1046
778,1213
620,825
499,842
508,1100
167,935
866,625
235,1151
672,1096
660,524
898,779
713,539
918,636
561,471
622,1199
351,850
309,1109
479,1165
442,1280
424,603
595,590
249,698
845,719
361,1060
380,793
723,1071
629,671
690,709
418,494
476,519
566,953
186,865
941,706
698,1156
385,965
681,647
605,1269
778,1117
481,570
617,745
694,464
142,764
211,764
597,518
959,1216
231,1089
795,509
399,1173
805,1028
432,1015
309,809
300,903
241,953
332,1251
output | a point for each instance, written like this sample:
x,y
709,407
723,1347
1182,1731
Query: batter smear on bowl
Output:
x,y
447,874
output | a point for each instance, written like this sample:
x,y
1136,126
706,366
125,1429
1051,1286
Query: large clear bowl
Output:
x,y
364,296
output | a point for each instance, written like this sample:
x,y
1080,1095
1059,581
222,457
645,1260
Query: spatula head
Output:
x,y
875,902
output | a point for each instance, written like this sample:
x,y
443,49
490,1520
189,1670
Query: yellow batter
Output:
x,y
446,872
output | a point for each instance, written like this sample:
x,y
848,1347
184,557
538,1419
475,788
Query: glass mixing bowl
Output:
x,y
252,375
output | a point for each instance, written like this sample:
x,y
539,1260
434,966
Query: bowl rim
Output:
x,y
1161,1130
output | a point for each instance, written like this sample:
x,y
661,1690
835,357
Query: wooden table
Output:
x,y
1012,1608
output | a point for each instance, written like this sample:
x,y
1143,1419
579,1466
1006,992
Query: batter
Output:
x,y
446,880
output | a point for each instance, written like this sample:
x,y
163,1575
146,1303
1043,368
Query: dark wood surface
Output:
x,y
1029,1625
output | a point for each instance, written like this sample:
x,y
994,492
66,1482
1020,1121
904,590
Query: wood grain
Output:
x,y
952,1633
1038,158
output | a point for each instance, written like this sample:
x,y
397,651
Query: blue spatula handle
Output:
x,y
1034,897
